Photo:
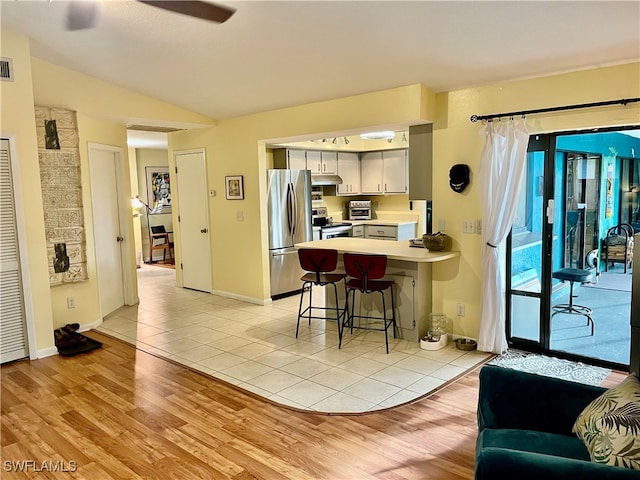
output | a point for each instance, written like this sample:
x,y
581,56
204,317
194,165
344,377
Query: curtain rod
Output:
x,y
622,101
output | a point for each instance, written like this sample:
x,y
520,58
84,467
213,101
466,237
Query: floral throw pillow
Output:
x,y
610,425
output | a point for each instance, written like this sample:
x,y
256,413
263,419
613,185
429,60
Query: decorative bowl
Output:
x,y
436,242
466,344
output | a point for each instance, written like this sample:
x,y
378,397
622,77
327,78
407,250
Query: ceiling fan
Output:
x,y
82,14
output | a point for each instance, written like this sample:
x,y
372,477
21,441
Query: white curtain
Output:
x,y
501,170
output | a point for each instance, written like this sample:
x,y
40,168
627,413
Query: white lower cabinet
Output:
x,y
358,231
390,232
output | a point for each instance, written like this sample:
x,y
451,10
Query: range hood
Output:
x,y
325,180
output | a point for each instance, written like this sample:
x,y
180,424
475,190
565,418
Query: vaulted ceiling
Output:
x,y
271,54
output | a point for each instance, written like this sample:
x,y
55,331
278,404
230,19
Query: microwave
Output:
x,y
360,210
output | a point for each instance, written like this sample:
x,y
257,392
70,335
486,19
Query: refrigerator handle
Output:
x,y
294,208
289,207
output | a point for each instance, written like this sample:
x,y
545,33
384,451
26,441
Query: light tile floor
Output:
x,y
254,347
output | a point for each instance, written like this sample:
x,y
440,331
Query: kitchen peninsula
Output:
x,y
409,267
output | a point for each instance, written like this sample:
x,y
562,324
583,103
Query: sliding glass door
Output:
x,y
528,288
561,299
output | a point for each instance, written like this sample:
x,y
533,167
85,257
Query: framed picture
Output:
x,y
234,187
158,190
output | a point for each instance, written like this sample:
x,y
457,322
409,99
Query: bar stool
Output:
x,y
365,272
320,265
573,275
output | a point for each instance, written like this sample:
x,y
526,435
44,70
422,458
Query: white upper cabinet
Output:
x,y
371,173
329,163
296,160
395,171
322,163
384,172
349,171
314,162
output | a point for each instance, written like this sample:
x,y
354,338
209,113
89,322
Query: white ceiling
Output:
x,y
276,54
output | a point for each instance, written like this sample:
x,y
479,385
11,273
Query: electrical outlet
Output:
x,y
460,310
478,226
71,302
441,225
240,215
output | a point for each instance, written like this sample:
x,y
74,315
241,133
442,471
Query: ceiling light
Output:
x,y
386,135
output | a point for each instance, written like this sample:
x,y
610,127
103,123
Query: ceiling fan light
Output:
x,y
384,135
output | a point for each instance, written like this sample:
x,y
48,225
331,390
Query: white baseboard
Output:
x,y
89,326
257,301
47,352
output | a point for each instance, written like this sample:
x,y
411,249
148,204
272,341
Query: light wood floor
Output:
x,y
119,413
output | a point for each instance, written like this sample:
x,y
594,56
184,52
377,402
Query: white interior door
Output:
x,y
104,168
193,224
13,342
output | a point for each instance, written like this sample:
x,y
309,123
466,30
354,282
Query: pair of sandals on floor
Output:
x,y
68,336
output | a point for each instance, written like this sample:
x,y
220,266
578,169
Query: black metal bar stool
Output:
x,y
320,265
573,275
365,273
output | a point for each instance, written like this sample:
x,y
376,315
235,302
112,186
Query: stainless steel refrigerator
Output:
x,y
289,205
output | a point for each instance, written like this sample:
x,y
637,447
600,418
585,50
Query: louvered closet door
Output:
x,y
13,342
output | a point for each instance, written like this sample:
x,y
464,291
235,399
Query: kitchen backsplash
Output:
x,y
392,207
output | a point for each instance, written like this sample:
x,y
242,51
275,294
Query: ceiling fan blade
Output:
x,y
204,10
81,15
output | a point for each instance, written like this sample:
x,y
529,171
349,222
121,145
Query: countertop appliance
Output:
x,y
324,227
360,210
332,230
289,207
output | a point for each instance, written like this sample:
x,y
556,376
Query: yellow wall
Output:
x,y
103,111
18,118
457,140
55,86
235,147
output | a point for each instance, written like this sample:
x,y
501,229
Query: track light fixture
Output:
x,y
335,140
346,141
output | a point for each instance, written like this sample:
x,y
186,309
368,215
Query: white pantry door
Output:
x,y
193,220
104,168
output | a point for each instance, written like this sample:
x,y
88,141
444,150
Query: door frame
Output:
x,y
21,231
125,221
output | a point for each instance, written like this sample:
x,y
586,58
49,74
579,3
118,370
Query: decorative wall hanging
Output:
x,y
158,190
459,177
234,187
61,186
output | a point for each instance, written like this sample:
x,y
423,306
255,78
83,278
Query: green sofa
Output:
x,y
524,424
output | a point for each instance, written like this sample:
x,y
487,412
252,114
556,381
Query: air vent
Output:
x,y
6,70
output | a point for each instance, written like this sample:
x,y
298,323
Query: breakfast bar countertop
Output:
x,y
398,250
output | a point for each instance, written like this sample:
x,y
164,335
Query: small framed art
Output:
x,y
234,187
